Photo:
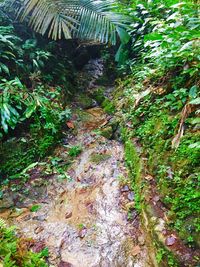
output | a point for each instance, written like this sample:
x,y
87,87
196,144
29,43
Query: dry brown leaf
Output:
x,y
70,124
136,250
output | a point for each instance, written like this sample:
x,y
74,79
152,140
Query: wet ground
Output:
x,y
88,219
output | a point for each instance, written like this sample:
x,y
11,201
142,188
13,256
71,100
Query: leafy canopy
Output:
x,y
83,19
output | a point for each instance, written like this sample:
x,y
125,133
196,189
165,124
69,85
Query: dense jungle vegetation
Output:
x,y
151,55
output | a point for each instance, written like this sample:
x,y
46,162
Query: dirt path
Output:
x,y
87,220
84,221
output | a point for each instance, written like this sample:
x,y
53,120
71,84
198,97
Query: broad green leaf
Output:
x,y
153,37
123,35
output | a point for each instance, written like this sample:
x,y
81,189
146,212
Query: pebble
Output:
x,y
131,196
170,240
125,189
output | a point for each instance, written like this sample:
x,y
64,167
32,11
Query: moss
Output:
x,y
17,154
84,101
98,95
98,158
107,132
176,172
134,164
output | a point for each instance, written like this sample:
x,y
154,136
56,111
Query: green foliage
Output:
x,y
165,36
164,255
35,208
176,171
108,106
45,117
164,57
134,164
16,252
84,19
33,112
74,151
18,105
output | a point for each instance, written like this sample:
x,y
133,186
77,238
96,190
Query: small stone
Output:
x,y
40,218
125,189
68,214
131,196
156,198
170,240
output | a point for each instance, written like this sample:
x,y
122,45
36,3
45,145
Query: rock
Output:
x,y
7,202
148,178
170,240
125,189
131,196
40,218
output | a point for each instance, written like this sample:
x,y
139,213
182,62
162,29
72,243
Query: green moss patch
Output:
x,y
98,158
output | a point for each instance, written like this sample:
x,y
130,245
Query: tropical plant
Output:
x,y
8,48
16,251
83,19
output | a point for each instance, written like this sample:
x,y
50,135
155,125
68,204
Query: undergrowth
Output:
x,y
16,252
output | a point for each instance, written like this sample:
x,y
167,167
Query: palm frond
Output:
x,y
84,19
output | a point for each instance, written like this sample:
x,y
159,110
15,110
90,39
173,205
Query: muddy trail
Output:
x,y
87,219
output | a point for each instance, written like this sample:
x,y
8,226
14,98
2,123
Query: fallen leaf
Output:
x,y
68,214
38,229
136,250
70,124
